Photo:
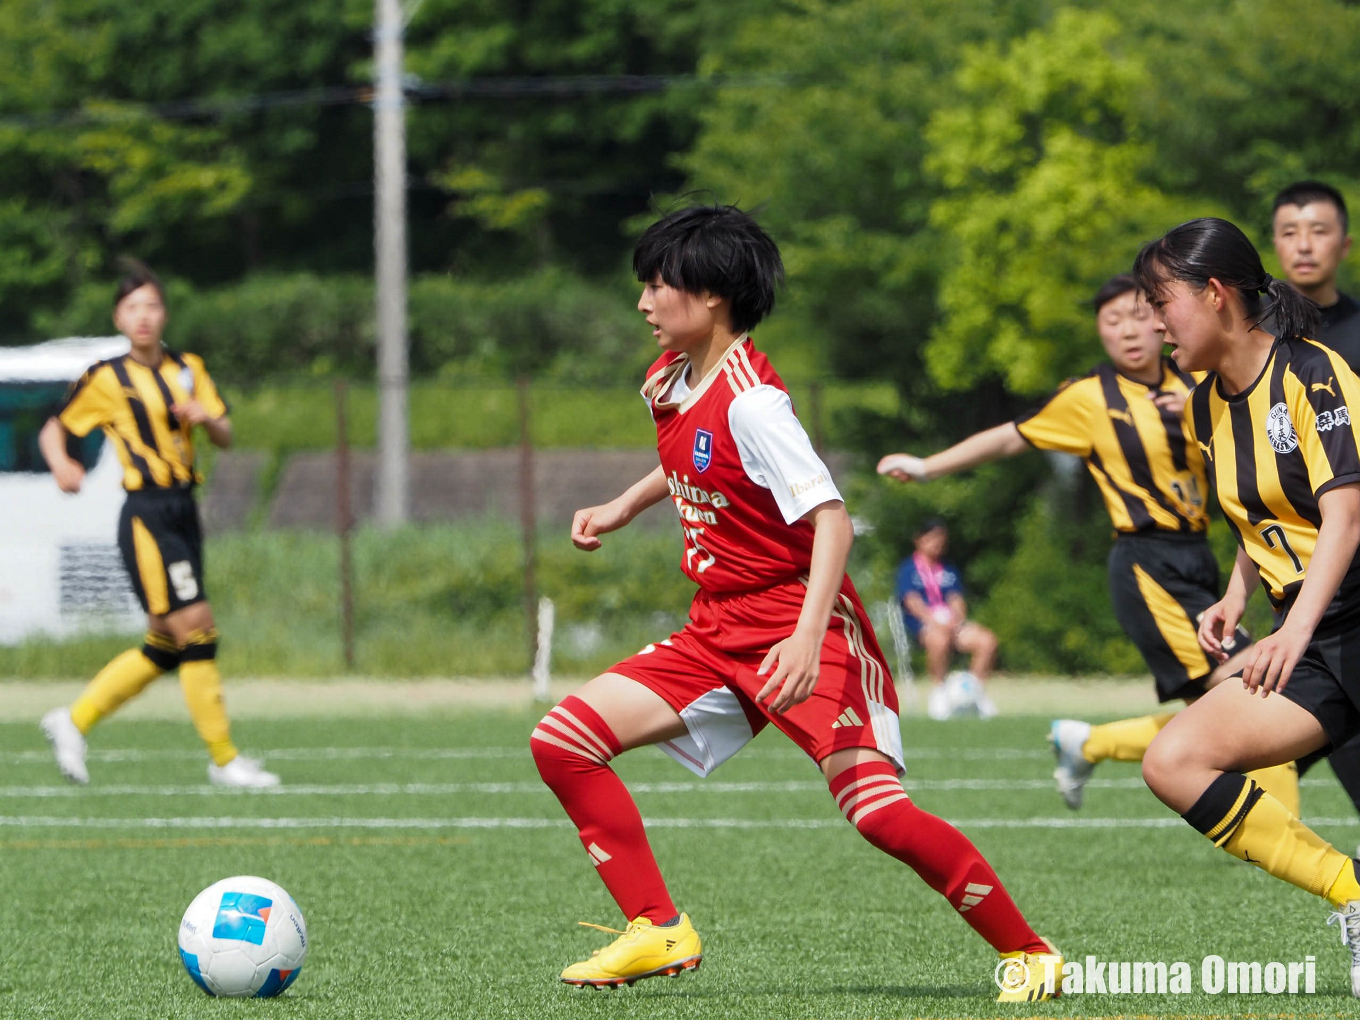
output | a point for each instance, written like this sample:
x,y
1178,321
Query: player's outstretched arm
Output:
x,y
1338,537
67,473
797,659
588,524
993,444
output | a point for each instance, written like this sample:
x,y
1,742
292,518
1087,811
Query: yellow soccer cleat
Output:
x,y
643,951
1029,977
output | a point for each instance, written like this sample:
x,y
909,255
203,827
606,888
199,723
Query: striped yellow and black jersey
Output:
x,y
132,404
1149,471
1273,449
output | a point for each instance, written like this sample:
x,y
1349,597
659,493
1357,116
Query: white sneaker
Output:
x,y
1068,736
939,705
68,744
1348,918
243,773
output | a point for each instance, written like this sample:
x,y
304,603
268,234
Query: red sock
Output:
x,y
872,798
572,747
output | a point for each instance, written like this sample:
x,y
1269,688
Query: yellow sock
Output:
x,y
121,679
202,686
1282,783
1125,740
1253,826
1345,888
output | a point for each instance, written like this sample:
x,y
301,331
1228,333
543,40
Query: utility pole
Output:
x,y
392,503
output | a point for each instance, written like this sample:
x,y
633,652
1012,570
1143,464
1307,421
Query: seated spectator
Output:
x,y
933,608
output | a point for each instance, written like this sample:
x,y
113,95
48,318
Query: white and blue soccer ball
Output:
x,y
967,696
963,691
243,936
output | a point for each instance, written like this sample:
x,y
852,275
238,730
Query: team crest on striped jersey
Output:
x,y
1280,429
703,449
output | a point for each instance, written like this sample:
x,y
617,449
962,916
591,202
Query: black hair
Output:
x,y
135,276
1303,193
1210,247
929,525
1113,288
718,249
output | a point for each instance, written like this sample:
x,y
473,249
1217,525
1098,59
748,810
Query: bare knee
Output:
x,y
1168,756
937,640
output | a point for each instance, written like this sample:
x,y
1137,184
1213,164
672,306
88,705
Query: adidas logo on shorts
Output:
x,y
847,718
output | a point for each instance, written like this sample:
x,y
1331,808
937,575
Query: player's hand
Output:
x,y
1219,623
903,467
594,521
796,661
1271,661
69,476
190,412
1171,402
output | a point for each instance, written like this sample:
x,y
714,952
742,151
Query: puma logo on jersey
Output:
x,y
1208,450
1125,416
1324,386
974,893
847,718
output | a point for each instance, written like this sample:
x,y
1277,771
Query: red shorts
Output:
x,y
707,673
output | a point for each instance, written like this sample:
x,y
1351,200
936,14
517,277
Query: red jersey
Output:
x,y
737,537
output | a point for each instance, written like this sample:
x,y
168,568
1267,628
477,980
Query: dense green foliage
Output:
x,y
949,183
439,877
483,412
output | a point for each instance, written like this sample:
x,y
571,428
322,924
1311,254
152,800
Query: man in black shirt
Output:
x,y
1312,238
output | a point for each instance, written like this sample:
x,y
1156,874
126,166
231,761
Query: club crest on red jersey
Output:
x,y
703,449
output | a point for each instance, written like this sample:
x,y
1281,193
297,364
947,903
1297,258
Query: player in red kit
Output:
x,y
776,634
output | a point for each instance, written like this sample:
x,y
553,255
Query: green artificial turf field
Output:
x,y
439,878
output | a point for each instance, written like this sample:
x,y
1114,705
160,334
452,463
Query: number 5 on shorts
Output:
x,y
182,577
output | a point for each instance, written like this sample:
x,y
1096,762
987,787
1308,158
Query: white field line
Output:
x,y
455,753
51,821
533,788
454,789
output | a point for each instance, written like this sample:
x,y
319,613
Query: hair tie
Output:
x,y
1265,283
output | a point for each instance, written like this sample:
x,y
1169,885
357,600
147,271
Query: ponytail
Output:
x,y
1291,315
1213,248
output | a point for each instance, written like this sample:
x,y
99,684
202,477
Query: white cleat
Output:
x,y
1068,736
1348,918
68,744
242,773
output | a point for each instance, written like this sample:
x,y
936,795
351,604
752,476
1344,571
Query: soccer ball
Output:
x,y
967,696
243,936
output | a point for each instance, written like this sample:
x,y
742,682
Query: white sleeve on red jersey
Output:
x,y
776,452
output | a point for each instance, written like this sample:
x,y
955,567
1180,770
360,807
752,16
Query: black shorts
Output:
x,y
1160,584
161,541
1326,682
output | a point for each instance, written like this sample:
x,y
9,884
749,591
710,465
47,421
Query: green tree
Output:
x,y
1048,188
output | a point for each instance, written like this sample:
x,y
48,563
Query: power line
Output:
x,y
508,88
